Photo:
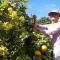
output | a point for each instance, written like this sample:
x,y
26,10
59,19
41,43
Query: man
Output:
x,y
53,30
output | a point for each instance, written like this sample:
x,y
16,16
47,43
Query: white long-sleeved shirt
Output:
x,y
53,30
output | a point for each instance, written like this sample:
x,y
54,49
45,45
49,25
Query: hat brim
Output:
x,y
51,13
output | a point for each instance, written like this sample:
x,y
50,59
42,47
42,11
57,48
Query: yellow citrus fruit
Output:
x,y
10,10
7,25
44,48
14,13
37,52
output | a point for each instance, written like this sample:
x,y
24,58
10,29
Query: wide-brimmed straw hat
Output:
x,y
54,12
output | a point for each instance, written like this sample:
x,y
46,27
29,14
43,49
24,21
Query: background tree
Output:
x,y
44,20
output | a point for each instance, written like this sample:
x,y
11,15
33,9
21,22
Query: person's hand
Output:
x,y
36,25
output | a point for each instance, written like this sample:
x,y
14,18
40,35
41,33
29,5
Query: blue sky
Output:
x,y
42,7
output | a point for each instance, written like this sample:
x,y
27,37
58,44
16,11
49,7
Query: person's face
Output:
x,y
54,17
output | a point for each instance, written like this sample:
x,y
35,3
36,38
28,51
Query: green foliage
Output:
x,y
45,20
18,40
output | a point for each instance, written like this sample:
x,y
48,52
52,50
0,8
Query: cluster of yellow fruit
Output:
x,y
21,18
7,25
3,50
41,50
11,12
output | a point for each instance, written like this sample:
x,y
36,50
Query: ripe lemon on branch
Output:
x,y
7,25
10,10
3,50
37,53
44,48
14,13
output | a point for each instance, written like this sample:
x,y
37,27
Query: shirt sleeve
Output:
x,y
50,32
42,26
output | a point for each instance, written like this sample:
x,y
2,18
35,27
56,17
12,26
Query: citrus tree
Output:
x,y
44,20
12,29
38,44
18,38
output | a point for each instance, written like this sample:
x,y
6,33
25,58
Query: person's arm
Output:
x,y
41,26
49,32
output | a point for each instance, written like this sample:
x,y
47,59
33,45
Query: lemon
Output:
x,y
44,48
14,14
10,10
7,25
37,52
